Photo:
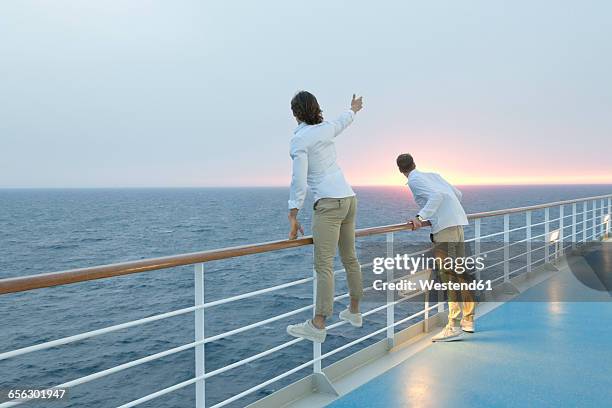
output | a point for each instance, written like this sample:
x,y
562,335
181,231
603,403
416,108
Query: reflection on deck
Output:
x,y
526,353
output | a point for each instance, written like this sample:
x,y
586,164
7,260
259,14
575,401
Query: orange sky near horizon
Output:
x,y
496,176
467,180
501,162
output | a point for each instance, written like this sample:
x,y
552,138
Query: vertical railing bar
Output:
x,y
573,225
584,220
597,223
528,239
200,357
477,226
546,235
426,317
390,300
506,247
440,300
594,220
596,210
608,228
601,218
561,224
316,347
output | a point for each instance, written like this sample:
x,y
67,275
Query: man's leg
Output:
x,y
468,303
454,307
346,245
445,247
327,219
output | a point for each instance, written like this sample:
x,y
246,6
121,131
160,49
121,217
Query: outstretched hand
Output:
x,y
356,103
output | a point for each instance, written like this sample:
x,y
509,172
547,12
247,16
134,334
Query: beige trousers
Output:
x,y
333,227
450,243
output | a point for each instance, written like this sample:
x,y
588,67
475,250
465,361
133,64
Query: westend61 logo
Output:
x,y
461,267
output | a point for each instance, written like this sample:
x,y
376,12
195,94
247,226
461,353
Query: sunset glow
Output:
x,y
466,179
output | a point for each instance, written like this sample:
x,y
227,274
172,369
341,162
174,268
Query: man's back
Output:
x,y
438,199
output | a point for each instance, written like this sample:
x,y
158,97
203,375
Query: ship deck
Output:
x,y
530,351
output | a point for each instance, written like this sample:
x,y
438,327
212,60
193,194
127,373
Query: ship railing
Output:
x,y
577,221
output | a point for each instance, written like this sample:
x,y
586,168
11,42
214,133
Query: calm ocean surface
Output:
x,y
52,230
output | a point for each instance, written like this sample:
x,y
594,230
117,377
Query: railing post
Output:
x,y
426,317
390,297
199,336
321,382
584,221
601,218
573,225
609,217
316,347
506,247
594,220
477,225
546,234
561,224
528,239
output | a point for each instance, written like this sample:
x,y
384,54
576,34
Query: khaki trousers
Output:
x,y
333,227
450,243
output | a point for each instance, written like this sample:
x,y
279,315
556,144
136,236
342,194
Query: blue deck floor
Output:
x,y
525,354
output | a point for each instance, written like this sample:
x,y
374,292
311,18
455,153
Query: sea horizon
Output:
x,y
287,186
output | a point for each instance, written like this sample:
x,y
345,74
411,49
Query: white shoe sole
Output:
x,y
305,336
448,339
350,321
465,329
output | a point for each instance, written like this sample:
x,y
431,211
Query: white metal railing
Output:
x,y
579,231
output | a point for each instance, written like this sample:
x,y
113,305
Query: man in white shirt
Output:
x,y
333,223
440,205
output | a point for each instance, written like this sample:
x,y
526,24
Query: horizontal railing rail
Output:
x,y
44,280
594,223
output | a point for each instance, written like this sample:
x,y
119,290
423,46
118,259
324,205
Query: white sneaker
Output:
x,y
450,333
467,326
354,319
307,331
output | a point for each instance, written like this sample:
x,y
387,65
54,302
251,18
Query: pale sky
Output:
x,y
196,93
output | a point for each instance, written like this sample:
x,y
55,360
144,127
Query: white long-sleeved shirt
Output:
x,y
438,199
313,152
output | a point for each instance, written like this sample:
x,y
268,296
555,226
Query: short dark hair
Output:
x,y
306,108
405,162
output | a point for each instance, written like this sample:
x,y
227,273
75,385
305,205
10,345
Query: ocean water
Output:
x,y
53,230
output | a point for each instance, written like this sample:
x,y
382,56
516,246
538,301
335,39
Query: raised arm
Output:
x,y
344,120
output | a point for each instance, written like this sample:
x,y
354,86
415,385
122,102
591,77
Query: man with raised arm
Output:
x,y
440,205
313,153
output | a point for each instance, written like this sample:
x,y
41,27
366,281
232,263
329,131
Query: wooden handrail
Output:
x,y
44,280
